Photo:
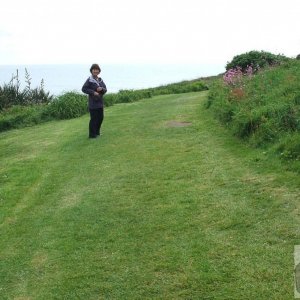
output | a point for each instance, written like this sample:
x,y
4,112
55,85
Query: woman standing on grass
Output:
x,y
95,88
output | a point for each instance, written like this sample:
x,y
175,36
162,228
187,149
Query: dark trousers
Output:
x,y
96,120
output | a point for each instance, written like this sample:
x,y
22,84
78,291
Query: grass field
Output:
x,y
151,210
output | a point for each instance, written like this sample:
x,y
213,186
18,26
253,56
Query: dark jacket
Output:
x,y
89,88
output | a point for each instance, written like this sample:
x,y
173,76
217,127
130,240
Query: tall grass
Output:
x,y
264,110
12,94
67,106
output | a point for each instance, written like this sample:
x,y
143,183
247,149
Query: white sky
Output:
x,y
137,31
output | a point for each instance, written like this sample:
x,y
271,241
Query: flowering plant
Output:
x,y
234,77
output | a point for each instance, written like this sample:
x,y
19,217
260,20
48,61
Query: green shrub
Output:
x,y
67,106
257,59
110,99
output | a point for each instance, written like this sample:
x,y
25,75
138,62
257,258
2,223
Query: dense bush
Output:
x,y
262,109
257,59
67,106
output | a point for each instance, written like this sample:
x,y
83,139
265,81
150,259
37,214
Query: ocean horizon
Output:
x,y
61,78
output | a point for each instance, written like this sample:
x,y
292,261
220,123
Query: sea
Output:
x,y
61,78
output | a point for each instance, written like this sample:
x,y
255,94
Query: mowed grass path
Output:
x,y
148,211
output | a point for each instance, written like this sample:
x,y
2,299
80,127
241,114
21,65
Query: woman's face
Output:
x,y
95,72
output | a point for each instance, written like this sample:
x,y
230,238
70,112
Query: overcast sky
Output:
x,y
137,31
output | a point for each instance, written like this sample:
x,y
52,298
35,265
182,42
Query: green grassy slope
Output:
x,y
151,210
263,110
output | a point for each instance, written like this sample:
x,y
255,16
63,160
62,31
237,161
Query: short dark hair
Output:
x,y
95,67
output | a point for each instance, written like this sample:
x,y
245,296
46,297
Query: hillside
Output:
x,y
166,205
263,109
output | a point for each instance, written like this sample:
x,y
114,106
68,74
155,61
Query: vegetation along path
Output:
x,y
165,205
